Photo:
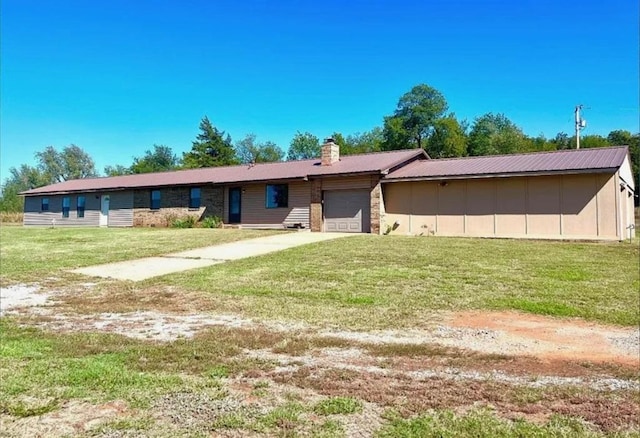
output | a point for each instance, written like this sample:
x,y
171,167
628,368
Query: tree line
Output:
x,y
421,120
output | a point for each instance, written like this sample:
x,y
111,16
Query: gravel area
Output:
x,y
182,413
21,295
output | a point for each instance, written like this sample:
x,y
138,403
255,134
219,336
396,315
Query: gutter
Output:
x,y
499,175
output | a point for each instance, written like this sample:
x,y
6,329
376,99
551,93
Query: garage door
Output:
x,y
347,211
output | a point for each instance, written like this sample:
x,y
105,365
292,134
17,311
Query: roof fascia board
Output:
x,y
400,163
500,175
343,175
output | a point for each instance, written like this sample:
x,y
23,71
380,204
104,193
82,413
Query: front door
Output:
x,y
235,201
104,210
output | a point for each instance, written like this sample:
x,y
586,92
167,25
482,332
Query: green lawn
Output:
x,y
27,254
391,281
361,282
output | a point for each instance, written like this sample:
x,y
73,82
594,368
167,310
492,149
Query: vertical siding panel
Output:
x,y
511,207
544,206
579,209
480,203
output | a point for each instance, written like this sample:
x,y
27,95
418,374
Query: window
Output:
x,y
66,203
80,206
44,204
155,199
194,197
277,195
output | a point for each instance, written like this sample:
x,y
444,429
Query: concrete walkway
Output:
x,y
141,269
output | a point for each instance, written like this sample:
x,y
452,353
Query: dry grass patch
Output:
x,y
609,411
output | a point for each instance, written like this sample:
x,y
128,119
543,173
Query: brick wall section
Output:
x,y
376,193
315,211
330,153
174,203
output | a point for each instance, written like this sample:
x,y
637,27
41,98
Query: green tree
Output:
x,y
395,135
70,163
493,134
161,159
415,117
20,179
626,138
117,170
250,151
360,143
561,141
449,138
304,146
592,141
211,148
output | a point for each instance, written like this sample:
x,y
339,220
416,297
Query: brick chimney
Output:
x,y
330,152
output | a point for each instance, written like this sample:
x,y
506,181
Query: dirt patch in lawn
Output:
x,y
521,365
144,314
72,418
553,339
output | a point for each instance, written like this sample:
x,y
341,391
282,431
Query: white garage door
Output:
x,y
347,211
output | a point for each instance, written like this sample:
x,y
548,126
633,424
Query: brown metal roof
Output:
x,y
567,161
351,164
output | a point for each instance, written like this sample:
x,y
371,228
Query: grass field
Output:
x,y
221,381
28,254
382,282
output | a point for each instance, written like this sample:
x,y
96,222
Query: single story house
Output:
x,y
573,194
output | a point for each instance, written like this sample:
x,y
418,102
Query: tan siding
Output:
x,y
519,207
397,202
624,214
424,207
579,212
481,207
346,183
606,206
254,211
630,213
121,209
451,208
511,203
543,207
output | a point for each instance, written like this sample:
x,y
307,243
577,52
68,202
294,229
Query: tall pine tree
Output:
x,y
211,148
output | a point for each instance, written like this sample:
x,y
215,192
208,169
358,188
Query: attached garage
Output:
x,y
577,194
347,211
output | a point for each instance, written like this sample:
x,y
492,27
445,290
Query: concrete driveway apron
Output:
x,y
149,267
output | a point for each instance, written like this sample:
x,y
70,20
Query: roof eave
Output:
x,y
500,175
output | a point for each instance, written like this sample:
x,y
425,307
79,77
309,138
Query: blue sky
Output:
x,y
115,77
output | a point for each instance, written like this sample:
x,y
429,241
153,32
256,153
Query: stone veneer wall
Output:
x,y
315,212
376,193
174,203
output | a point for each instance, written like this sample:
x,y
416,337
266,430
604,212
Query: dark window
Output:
x,y
80,206
277,195
194,197
155,199
66,203
44,204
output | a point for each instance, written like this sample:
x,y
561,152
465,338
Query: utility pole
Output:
x,y
580,124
